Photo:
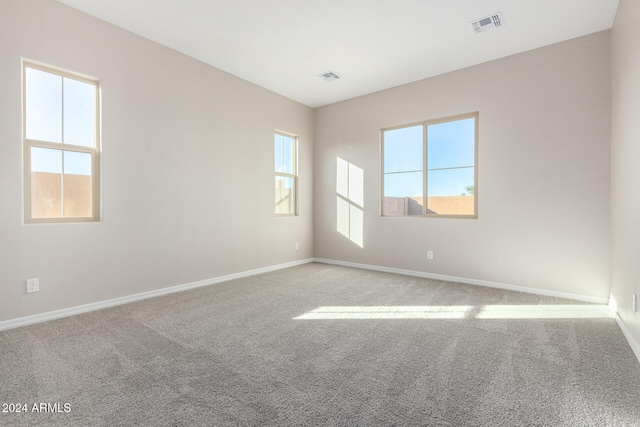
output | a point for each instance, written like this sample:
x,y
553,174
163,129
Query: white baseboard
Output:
x,y
57,314
486,283
71,311
635,346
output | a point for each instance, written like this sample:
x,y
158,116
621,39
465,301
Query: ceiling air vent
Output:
x,y
488,23
329,76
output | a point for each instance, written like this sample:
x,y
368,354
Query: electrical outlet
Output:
x,y
297,246
33,285
635,303
429,254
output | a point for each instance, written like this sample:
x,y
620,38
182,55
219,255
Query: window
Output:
x,y
286,159
61,140
447,185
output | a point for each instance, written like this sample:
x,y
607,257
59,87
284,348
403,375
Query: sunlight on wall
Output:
x,y
350,201
613,304
559,311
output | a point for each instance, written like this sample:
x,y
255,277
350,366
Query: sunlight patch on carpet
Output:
x,y
559,311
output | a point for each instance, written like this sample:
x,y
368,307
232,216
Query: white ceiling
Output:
x,y
282,45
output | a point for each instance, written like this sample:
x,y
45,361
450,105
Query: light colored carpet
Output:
x,y
424,352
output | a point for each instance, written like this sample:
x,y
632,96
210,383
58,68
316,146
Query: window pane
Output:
x,y
403,184
287,156
46,160
285,195
43,100
79,113
77,163
451,144
285,164
77,185
284,154
403,149
278,152
46,183
450,182
451,191
403,194
60,110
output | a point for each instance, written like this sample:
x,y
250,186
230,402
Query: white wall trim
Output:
x,y
71,311
635,346
486,283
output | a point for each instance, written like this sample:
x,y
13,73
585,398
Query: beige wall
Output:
x,y
187,169
625,199
544,172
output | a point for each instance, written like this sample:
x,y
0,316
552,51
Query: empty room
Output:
x,y
267,213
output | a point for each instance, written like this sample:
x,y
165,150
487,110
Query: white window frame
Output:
x,y
293,175
425,124
94,151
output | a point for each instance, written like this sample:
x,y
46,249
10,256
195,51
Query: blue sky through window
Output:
x,y
43,106
283,150
59,110
450,159
50,161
